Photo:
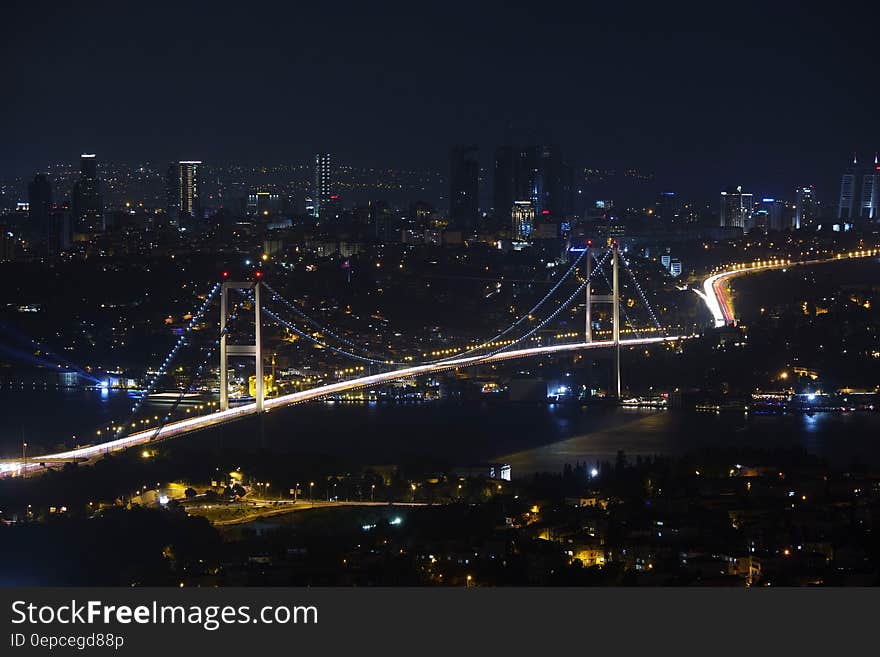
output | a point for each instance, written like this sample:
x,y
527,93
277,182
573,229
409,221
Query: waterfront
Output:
x,y
531,437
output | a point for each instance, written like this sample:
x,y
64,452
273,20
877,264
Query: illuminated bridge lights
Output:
x,y
187,425
454,358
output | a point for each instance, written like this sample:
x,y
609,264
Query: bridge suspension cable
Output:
x,y
320,343
521,319
565,304
370,359
367,358
181,341
209,353
307,318
622,308
641,293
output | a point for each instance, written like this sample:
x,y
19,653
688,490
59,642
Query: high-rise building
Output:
x,y
263,203
860,193
39,206
381,219
666,207
523,217
551,183
527,174
736,208
538,174
323,191
464,188
848,204
172,192
189,188
502,191
88,205
869,205
806,208
58,230
771,215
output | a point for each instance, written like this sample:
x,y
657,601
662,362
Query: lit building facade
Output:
x,y
189,188
736,208
88,205
860,193
806,208
464,189
523,217
323,191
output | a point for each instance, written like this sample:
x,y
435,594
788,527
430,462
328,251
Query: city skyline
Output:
x,y
485,295
589,181
647,88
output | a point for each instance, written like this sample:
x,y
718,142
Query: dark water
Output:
x,y
530,437
47,416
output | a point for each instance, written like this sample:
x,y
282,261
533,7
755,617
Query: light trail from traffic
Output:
x,y
188,425
717,301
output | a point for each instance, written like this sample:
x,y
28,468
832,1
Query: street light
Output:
x,y
311,486
372,492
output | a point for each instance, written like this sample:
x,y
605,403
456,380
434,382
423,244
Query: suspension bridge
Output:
x,y
270,306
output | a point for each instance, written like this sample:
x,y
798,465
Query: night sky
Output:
x,y
703,95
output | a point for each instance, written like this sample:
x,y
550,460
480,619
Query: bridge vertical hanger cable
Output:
x,y
565,304
480,346
521,319
641,293
169,359
308,318
321,343
368,359
209,353
623,309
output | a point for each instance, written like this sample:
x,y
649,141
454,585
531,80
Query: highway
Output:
x,y
188,425
713,295
716,300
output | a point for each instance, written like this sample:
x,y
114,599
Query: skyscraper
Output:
x,y
666,208
526,175
88,205
323,191
860,193
58,231
523,217
502,191
848,205
39,206
551,199
464,187
869,205
541,176
736,208
172,192
773,215
806,208
189,188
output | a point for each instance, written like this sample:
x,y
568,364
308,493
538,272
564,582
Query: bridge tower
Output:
x,y
613,299
255,350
